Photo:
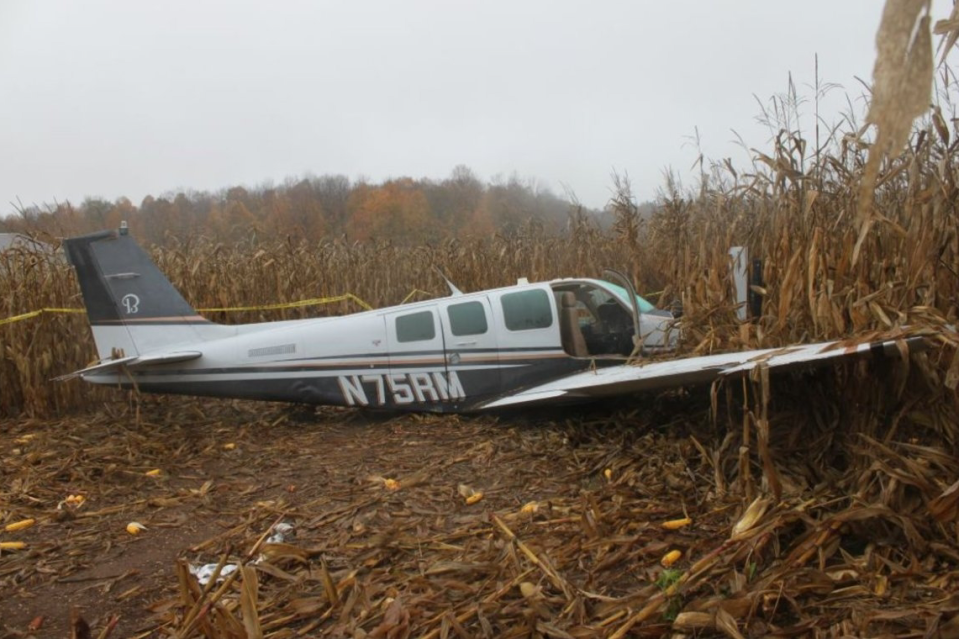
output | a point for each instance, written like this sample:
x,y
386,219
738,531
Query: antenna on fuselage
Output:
x,y
453,290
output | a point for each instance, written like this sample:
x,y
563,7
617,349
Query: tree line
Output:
x,y
313,208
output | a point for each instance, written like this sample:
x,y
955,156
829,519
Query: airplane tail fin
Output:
x,y
133,308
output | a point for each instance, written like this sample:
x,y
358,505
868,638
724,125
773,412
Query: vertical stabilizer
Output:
x,y
133,308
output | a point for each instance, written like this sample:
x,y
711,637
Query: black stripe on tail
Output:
x,y
121,284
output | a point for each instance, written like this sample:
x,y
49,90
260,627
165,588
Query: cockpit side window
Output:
x,y
527,310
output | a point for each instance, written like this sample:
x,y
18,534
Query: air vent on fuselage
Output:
x,y
267,351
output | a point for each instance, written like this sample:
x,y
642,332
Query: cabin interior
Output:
x,y
592,322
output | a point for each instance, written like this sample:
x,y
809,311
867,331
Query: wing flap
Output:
x,y
623,379
525,398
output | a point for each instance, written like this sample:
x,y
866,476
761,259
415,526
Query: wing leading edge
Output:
x,y
624,379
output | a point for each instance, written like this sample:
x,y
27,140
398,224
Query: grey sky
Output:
x,y
120,98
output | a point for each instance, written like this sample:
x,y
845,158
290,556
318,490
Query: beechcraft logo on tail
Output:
x,y
131,303
400,388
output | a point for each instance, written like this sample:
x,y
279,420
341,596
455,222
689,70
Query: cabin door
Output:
x,y
472,349
418,373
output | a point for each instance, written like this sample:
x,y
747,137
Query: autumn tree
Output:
x,y
396,210
333,194
314,208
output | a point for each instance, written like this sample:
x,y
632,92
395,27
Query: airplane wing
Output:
x,y
132,362
657,375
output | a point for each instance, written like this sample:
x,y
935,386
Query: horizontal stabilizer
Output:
x,y
132,362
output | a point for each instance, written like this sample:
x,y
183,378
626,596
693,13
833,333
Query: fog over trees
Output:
x,y
313,208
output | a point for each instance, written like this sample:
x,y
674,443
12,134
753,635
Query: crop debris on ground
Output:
x,y
620,521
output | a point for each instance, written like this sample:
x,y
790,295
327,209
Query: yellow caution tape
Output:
x,y
348,297
267,307
415,291
32,314
311,302
17,318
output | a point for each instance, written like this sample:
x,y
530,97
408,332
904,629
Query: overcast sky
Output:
x,y
120,98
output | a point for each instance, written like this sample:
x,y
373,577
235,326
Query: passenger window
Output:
x,y
415,327
467,318
527,310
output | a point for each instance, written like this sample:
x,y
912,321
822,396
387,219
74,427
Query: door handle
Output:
x,y
473,343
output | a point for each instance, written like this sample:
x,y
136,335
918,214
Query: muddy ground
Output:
x,y
544,524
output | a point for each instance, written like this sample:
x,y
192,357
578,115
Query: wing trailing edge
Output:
x,y
625,379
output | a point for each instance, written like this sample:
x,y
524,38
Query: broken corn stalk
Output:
x,y
20,525
676,524
671,557
12,545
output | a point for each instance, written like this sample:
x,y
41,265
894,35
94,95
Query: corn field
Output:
x,y
801,223
830,504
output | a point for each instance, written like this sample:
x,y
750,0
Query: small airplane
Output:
x,y
533,343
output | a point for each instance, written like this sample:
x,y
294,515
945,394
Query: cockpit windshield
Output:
x,y
622,294
596,319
